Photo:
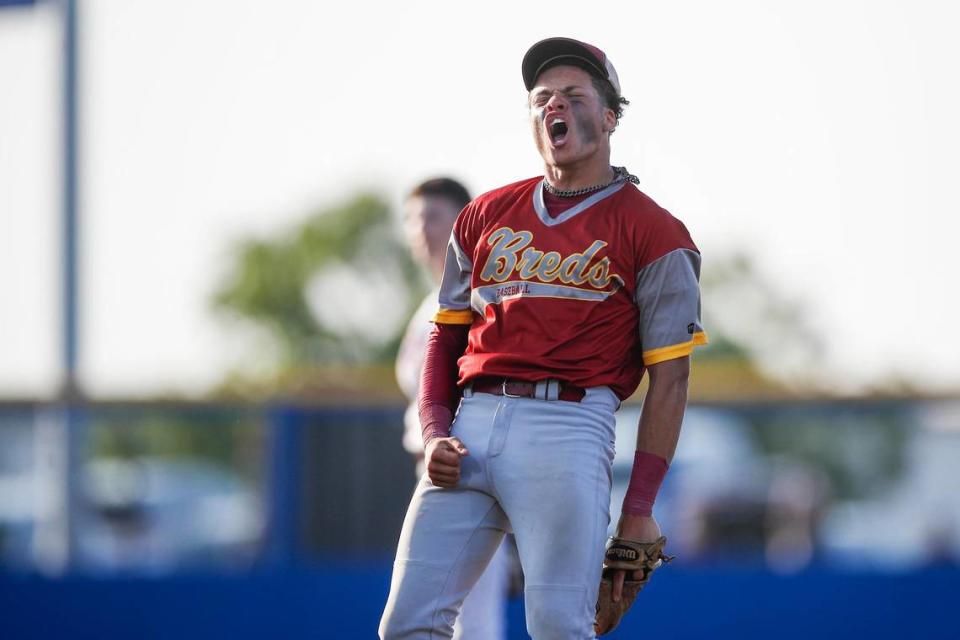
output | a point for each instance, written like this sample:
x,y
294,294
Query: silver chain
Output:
x,y
620,174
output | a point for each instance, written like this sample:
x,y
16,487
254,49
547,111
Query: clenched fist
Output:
x,y
442,457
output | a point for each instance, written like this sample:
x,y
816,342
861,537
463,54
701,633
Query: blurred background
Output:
x,y
204,285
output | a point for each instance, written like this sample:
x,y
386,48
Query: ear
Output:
x,y
609,120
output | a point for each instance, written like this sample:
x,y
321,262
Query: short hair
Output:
x,y
611,99
444,187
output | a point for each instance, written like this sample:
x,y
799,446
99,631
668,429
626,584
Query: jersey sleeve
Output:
x,y
454,298
668,297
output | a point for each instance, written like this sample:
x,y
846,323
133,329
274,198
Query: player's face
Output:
x,y
570,122
427,223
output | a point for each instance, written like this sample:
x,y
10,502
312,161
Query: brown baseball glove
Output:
x,y
630,556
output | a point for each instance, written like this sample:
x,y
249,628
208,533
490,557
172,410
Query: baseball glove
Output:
x,y
630,556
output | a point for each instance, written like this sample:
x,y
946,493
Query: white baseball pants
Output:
x,y
484,611
541,469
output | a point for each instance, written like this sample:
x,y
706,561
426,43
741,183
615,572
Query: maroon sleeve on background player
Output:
x,y
439,394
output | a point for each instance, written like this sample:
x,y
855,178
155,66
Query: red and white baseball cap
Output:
x,y
552,51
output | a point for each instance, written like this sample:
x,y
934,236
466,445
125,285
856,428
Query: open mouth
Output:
x,y
558,131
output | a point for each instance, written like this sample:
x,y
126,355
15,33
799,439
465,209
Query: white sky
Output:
x,y
822,137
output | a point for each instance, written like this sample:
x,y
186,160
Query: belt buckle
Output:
x,y
503,388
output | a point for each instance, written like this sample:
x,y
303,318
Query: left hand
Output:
x,y
639,529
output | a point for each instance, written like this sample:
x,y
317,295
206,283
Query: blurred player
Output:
x,y
429,214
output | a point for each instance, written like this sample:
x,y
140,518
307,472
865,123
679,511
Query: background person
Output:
x,y
429,213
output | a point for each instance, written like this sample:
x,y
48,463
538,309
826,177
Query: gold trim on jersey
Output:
x,y
674,351
454,316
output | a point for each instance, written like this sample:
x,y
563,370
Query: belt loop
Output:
x,y
468,390
540,390
553,389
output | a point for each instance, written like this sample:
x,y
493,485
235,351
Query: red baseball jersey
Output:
x,y
590,296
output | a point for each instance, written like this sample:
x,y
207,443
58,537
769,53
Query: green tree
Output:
x,y
304,286
751,319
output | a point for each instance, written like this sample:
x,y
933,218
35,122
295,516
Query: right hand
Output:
x,y
442,456
638,529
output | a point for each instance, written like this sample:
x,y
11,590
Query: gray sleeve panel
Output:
x,y
668,296
457,271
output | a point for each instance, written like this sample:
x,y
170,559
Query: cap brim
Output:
x,y
553,51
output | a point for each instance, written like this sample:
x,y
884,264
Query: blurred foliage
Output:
x,y
751,318
228,437
861,449
343,384
268,283
761,344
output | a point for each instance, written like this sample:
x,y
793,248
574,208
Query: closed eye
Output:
x,y
540,98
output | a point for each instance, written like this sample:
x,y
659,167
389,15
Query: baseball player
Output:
x,y
429,213
559,292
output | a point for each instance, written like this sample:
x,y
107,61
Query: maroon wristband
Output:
x,y
648,472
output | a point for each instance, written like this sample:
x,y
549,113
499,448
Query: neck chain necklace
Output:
x,y
620,174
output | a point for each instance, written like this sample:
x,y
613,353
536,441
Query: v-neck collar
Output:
x,y
541,207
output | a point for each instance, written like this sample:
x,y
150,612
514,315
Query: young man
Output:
x,y
558,293
429,213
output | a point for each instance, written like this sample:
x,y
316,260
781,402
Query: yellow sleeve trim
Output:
x,y
675,350
454,316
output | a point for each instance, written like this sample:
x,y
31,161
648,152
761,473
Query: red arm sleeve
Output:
x,y
439,394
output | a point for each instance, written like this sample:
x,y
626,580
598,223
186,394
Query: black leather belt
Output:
x,y
544,390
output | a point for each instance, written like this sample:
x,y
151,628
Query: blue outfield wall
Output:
x,y
345,602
